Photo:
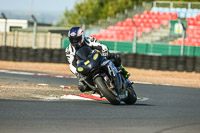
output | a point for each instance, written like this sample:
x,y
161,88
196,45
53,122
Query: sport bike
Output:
x,y
101,75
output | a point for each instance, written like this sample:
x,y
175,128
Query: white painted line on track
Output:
x,y
51,99
65,87
59,76
167,84
138,82
73,97
96,95
141,99
42,84
148,83
36,74
16,72
3,71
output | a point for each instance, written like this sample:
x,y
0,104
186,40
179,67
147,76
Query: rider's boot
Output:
x,y
123,71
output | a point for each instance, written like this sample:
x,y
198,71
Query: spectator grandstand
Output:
x,y
193,33
149,22
124,31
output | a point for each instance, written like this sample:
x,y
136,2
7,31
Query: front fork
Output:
x,y
114,73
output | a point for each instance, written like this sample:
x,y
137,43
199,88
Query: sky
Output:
x,y
37,5
46,11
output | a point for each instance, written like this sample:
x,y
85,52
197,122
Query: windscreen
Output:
x,y
83,52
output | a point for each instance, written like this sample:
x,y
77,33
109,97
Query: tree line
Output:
x,y
90,11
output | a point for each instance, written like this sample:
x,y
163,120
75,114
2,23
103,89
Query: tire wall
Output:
x,y
33,55
166,63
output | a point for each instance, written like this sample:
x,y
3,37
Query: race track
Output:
x,y
168,109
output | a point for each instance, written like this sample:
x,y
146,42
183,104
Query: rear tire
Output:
x,y
132,97
108,94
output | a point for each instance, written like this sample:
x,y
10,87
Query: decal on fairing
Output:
x,y
86,62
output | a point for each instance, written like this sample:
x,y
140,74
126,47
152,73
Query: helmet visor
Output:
x,y
74,40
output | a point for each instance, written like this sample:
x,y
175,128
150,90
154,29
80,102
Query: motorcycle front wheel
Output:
x,y
132,97
106,92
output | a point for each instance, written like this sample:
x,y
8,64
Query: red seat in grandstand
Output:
x,y
139,33
137,16
121,38
146,12
197,23
193,31
145,22
119,24
128,24
129,20
111,28
197,17
187,42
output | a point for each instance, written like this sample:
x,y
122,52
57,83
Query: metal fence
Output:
x,y
176,4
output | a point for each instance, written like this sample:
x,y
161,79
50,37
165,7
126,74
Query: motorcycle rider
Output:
x,y
77,40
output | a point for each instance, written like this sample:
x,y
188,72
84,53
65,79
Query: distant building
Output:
x,y
16,24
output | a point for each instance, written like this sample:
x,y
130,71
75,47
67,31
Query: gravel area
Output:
x,y
33,92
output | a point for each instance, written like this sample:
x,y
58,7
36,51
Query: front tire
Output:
x,y
132,97
108,94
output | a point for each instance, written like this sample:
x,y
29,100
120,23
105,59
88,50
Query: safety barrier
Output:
x,y
32,55
170,63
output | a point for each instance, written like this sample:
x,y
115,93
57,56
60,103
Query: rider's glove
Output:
x,y
90,40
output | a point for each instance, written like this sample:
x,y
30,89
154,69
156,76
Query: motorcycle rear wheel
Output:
x,y
106,92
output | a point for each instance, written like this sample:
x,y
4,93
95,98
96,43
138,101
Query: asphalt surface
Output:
x,y
34,79
169,109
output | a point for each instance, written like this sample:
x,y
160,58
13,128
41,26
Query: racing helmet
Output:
x,y
76,36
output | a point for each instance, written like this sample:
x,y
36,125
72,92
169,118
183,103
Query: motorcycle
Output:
x,y
101,75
